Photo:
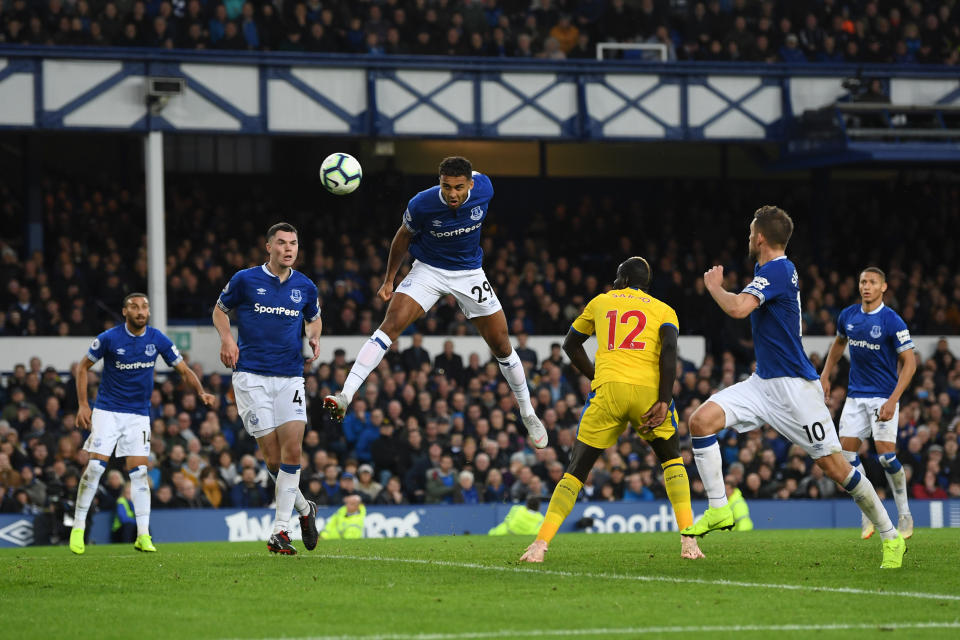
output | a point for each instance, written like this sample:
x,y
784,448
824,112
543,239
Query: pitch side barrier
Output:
x,y
275,93
248,525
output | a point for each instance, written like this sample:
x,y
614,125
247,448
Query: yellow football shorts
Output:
x,y
612,406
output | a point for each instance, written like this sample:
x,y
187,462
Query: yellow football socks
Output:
x,y
678,490
561,504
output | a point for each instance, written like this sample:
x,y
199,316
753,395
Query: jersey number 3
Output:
x,y
626,318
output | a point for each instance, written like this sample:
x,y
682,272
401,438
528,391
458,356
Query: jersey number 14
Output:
x,y
626,318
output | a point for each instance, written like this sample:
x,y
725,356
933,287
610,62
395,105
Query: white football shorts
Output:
x,y
266,402
129,433
794,407
473,292
860,419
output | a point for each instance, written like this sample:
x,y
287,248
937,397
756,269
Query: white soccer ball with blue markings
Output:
x,y
340,173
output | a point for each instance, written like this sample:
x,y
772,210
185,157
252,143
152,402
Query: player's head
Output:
x,y
873,284
282,244
136,310
771,227
456,179
634,273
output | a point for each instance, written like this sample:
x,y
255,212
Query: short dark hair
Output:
x,y
456,166
281,226
876,270
774,223
533,503
130,296
636,270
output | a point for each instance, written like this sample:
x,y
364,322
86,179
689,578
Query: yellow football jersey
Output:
x,y
627,323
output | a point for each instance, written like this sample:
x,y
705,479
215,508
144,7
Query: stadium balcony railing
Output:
x,y
73,88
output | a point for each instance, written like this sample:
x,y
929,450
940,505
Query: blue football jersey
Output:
x,y
776,322
128,362
449,238
270,316
876,340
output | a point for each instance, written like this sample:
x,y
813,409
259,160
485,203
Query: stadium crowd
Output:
x,y
826,31
441,427
433,428
544,266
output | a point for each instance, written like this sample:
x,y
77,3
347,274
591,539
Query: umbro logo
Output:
x,y
849,327
121,351
261,291
19,533
437,223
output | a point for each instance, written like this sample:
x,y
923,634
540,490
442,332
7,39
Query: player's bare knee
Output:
x,y
885,447
582,460
706,420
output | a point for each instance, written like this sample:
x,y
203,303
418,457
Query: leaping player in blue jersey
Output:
x,y
879,342
783,392
273,304
442,230
120,419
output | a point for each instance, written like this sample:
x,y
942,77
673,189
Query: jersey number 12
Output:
x,y
626,318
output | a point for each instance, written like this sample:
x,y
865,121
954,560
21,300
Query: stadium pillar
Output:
x,y
156,236
32,176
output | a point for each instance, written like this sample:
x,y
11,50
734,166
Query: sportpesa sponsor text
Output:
x,y
126,366
278,311
865,344
455,232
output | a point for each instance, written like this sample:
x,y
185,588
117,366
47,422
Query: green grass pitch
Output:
x,y
761,584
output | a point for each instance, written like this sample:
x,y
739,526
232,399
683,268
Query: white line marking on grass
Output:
x,y
573,574
618,576
550,633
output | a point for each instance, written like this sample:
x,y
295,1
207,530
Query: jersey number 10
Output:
x,y
628,342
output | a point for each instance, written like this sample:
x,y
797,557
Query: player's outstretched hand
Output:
x,y
83,417
315,346
713,277
654,417
229,354
825,383
208,399
385,291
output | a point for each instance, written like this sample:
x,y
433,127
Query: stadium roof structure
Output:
x,y
104,89
858,133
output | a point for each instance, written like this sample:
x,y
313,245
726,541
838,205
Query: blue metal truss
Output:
x,y
372,120
595,126
771,130
569,127
384,125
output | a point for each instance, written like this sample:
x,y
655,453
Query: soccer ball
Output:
x,y
340,173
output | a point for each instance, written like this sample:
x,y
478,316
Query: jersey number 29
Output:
x,y
626,318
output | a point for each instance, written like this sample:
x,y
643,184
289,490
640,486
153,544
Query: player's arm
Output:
x,y
398,251
190,376
907,365
668,374
229,351
735,305
312,331
573,347
833,357
83,412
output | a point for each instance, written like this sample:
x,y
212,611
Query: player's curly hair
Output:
x,y
774,223
456,166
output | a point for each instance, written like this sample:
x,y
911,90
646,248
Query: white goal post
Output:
x,y
659,47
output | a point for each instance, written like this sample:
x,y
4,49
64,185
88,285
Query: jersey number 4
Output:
x,y
626,318
296,397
